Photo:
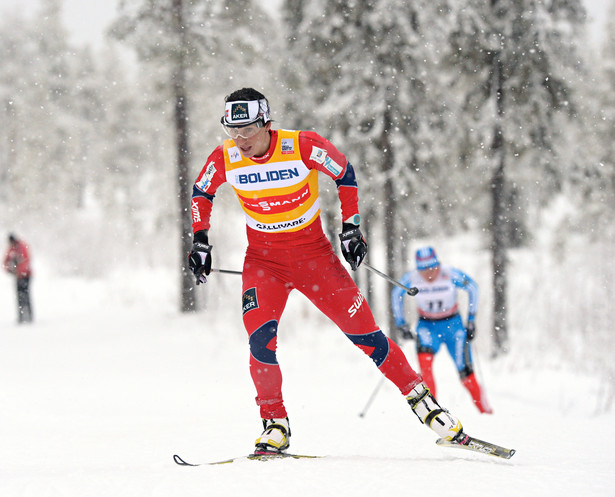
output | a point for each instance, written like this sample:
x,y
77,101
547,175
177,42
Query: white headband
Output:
x,y
243,112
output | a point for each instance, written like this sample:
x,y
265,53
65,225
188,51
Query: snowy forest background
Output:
x,y
448,109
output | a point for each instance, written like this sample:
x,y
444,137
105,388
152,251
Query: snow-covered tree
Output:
x,y
369,67
41,96
606,168
517,62
183,43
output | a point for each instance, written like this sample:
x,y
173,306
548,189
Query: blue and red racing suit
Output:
x,y
439,322
287,249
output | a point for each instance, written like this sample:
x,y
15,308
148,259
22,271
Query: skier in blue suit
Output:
x,y
439,319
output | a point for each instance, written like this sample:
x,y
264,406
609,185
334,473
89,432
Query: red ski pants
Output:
x,y
271,271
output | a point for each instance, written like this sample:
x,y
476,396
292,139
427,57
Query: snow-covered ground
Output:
x,y
110,382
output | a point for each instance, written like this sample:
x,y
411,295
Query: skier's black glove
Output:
x,y
406,332
354,246
470,330
199,258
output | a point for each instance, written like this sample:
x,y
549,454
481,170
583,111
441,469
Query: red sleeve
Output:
x,y
319,153
209,179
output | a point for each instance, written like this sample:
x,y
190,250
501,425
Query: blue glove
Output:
x,y
471,328
354,246
199,258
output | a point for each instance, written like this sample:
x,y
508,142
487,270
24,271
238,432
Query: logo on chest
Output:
x,y
267,176
234,155
279,203
287,146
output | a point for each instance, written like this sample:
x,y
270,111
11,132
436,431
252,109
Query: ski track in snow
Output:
x,y
102,390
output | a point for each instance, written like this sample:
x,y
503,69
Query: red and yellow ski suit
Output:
x,y
287,250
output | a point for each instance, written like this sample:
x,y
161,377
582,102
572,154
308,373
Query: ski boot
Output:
x,y
275,437
431,414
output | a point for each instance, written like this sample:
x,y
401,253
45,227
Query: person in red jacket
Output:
x,y
274,174
17,262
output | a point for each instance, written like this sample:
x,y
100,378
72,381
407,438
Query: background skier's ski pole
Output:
x,y
411,291
372,397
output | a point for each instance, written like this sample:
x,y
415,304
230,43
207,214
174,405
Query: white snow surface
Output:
x,y
111,381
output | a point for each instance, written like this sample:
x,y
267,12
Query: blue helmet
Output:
x,y
426,258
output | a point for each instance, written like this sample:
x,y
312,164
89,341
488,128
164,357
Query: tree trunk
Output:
x,y
368,232
498,248
498,219
188,301
390,209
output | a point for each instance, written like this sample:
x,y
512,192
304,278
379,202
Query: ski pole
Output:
x,y
227,271
410,291
372,397
477,368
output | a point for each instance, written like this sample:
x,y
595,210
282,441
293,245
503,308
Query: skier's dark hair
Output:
x,y
245,94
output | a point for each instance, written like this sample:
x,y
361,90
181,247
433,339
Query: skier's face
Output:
x,y
257,144
431,273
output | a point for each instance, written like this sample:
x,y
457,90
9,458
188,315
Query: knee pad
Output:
x,y
263,343
375,345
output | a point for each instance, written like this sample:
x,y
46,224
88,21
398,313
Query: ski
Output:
x,y
466,442
475,445
262,456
